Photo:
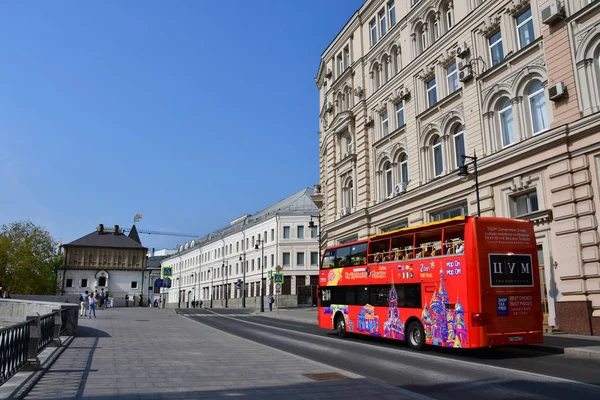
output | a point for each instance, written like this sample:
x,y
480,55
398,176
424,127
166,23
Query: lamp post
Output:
x,y
463,172
262,271
225,280
211,271
312,227
243,261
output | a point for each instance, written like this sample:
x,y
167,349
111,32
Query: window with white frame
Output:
x,y
314,233
537,107
456,211
449,16
525,28
438,158
340,65
286,232
452,77
496,49
252,265
423,38
300,231
346,57
523,204
431,92
134,284
389,179
385,126
314,258
459,145
286,258
84,282
436,29
300,258
382,22
272,260
507,126
272,234
69,282
397,61
400,114
404,169
373,31
348,196
347,144
392,13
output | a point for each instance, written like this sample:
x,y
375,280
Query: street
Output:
x,y
438,373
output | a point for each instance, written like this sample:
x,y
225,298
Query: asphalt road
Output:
x,y
506,373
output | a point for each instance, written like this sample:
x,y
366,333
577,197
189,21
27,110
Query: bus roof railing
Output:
x,y
414,227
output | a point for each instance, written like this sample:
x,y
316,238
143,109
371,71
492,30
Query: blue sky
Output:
x,y
191,113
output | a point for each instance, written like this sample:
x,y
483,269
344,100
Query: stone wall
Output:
x,y
15,310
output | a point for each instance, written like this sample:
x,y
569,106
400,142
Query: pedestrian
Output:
x,y
101,298
200,303
126,300
141,301
91,307
83,304
6,294
271,301
105,299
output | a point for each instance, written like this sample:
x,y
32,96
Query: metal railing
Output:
x,y
14,349
21,344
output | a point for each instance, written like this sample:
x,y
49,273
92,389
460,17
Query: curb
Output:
x,y
34,378
286,318
569,352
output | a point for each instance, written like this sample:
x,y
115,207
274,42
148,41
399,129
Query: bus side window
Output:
x,y
342,257
402,247
329,259
358,254
380,251
429,243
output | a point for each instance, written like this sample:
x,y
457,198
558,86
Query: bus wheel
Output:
x,y
340,326
415,336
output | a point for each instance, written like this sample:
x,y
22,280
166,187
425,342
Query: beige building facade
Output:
x,y
408,87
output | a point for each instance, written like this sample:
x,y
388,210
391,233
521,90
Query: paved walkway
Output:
x,y
142,353
572,345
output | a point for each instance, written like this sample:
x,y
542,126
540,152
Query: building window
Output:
x,y
449,17
272,234
252,265
119,259
389,181
431,93
314,232
134,284
537,107
438,161
524,204
76,257
382,23
385,127
452,75
457,211
102,281
400,113
84,282
525,28
506,122
69,283
286,258
134,260
237,247
459,145
286,232
314,258
348,196
404,169
496,49
300,232
373,29
423,38
90,259
346,57
392,12
272,260
299,258
105,258
436,30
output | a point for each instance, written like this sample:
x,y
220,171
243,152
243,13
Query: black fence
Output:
x,y
20,344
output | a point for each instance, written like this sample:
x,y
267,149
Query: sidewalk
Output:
x,y
576,346
142,353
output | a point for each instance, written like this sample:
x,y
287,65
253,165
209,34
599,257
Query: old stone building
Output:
x,y
407,88
105,259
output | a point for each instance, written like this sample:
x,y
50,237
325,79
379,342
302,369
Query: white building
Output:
x,y
213,268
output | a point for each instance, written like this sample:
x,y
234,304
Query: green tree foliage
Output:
x,y
28,259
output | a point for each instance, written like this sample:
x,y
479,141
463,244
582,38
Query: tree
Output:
x,y
27,259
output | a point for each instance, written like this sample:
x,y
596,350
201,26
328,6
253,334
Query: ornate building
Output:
x,y
407,88
105,259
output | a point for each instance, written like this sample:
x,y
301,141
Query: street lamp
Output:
x,y
225,276
463,172
312,227
243,261
212,289
262,269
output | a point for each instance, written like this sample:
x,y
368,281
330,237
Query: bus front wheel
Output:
x,y
415,336
340,326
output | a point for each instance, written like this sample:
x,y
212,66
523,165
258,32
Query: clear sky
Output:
x,y
191,112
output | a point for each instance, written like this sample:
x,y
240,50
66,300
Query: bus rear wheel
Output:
x,y
340,326
415,336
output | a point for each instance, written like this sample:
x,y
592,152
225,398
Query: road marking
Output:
x,y
216,315
441,359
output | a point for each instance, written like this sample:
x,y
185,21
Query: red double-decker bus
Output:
x,y
464,282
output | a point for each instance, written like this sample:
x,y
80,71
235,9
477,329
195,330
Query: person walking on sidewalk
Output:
x,y
101,303
92,307
271,301
83,303
105,300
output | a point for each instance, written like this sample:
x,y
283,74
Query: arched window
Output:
x,y
102,281
389,179
537,107
449,15
396,61
459,145
386,68
348,197
347,98
340,101
375,72
423,38
507,127
438,158
404,168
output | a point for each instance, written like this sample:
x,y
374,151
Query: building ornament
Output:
x,y
519,183
518,7
491,26
427,73
358,92
381,107
448,58
582,35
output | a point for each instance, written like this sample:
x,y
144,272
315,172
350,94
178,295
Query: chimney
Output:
x,y
101,228
116,229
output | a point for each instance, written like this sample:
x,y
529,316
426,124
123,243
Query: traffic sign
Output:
x,y
278,289
278,278
269,274
167,271
278,268
159,283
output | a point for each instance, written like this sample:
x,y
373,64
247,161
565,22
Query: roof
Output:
x,y
154,262
133,234
106,239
